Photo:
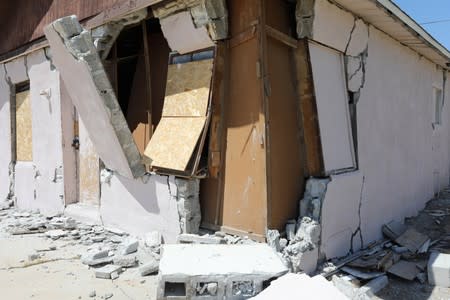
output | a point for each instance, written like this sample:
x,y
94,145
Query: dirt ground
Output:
x,y
59,274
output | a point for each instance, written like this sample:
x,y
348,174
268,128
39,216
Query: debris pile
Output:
x,y
109,251
414,251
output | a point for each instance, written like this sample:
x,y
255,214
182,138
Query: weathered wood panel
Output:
x,y
245,196
308,111
286,173
27,19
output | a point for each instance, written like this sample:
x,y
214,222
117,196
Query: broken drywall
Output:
x,y
105,35
193,25
75,56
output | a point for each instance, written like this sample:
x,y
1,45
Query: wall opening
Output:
x,y
437,104
22,116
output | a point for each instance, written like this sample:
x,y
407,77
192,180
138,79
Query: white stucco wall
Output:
x,y
47,134
5,134
402,159
141,205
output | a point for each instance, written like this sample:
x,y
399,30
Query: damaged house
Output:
x,y
228,115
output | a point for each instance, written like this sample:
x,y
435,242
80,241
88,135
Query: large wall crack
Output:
x,y
358,231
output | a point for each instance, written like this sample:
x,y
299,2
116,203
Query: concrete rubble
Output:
x,y
110,252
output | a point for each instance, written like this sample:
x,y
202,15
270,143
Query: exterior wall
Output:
x,y
37,184
5,134
402,159
141,205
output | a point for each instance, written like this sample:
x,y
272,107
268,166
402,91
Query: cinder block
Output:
x,y
197,271
439,269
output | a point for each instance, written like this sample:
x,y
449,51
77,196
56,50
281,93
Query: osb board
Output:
x,y
244,204
24,143
187,89
286,164
173,142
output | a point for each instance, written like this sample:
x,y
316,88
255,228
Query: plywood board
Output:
x,y
187,89
24,143
174,141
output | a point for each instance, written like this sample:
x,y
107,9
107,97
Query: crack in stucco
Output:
x,y
351,34
358,230
12,163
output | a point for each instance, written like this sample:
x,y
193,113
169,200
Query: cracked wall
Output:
x,y
153,202
403,158
37,184
6,172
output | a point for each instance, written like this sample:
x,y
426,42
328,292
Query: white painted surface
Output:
x,y
332,108
291,286
5,134
24,186
359,38
439,269
203,260
342,195
400,155
47,134
331,26
181,34
89,214
138,207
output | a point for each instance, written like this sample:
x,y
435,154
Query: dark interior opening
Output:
x,y
177,289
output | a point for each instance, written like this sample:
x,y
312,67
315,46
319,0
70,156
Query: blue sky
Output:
x,y
428,11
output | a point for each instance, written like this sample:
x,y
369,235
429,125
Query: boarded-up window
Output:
x,y
332,108
184,117
24,143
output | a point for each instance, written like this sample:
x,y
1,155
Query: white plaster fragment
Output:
x,y
181,34
332,26
355,73
358,39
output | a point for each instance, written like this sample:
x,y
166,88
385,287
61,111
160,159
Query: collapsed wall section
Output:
x,y
75,56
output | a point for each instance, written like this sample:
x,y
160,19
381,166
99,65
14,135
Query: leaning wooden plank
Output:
x,y
173,142
81,69
187,89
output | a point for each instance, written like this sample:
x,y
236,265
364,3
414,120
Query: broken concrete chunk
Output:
x,y
129,245
149,267
273,239
290,229
368,291
114,275
106,271
243,268
126,261
439,269
55,234
153,239
287,286
94,258
187,238
308,230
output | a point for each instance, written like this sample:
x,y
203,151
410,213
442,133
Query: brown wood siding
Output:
x,y
23,21
245,196
308,111
286,173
